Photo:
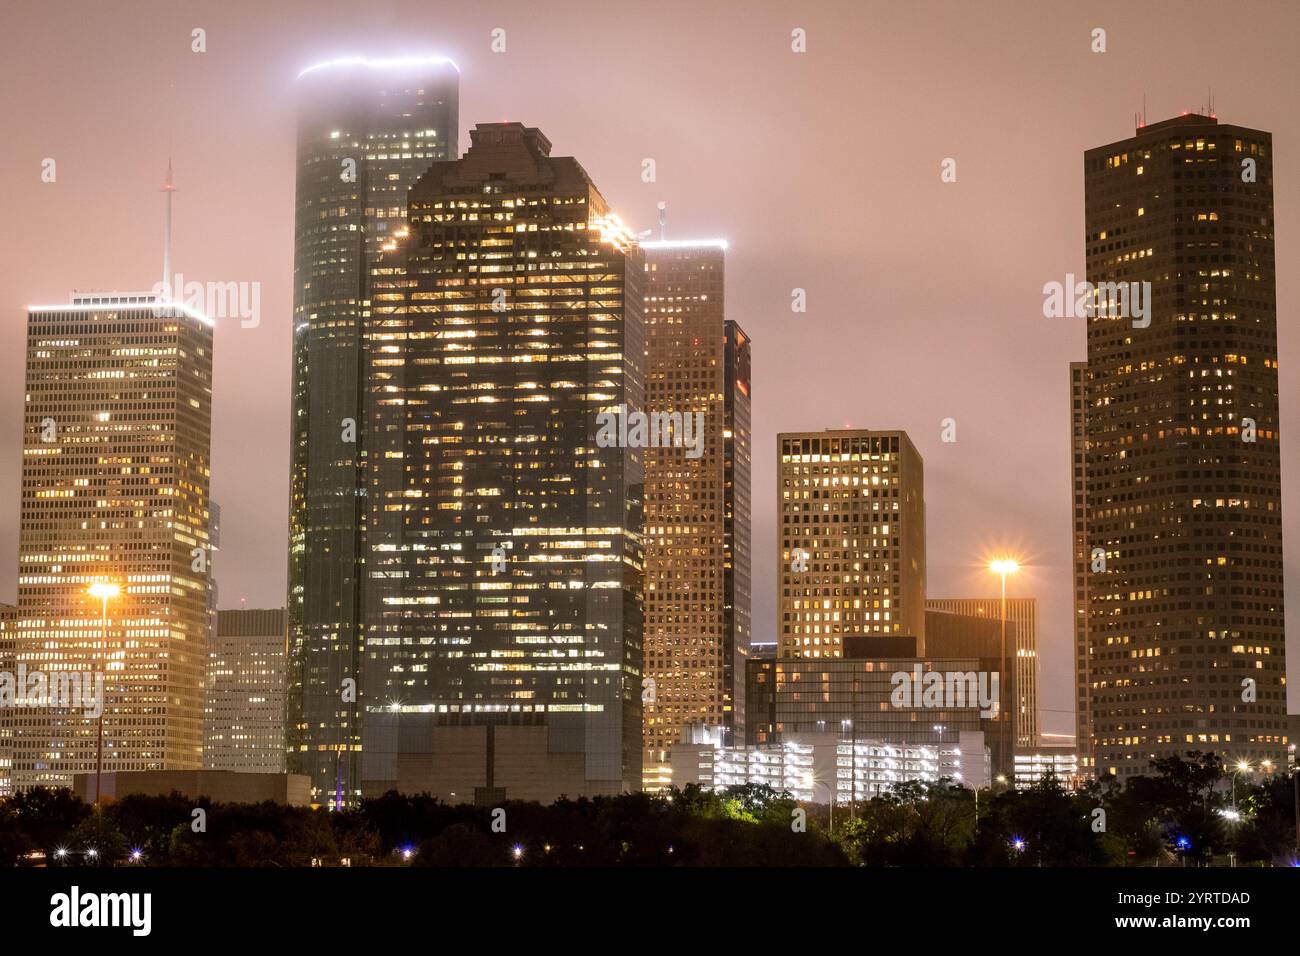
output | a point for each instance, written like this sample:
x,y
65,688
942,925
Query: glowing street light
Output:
x,y
1002,567
102,590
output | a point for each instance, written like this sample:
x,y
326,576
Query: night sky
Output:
x,y
821,169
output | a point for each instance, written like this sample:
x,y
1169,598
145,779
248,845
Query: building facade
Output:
x,y
697,507
1034,764
850,539
1022,650
367,129
825,767
8,664
243,713
115,484
1182,474
1082,564
791,698
504,606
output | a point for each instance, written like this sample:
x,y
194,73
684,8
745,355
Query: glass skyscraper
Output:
x,y
503,604
367,129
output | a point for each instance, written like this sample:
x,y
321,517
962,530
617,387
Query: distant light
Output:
x,y
1242,766
685,244
135,856
92,853
1004,566
1018,843
407,853
518,851
103,589
382,63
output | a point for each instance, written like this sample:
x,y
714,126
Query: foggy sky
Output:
x,y
821,169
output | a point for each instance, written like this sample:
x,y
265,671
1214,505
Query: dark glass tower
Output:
x,y
367,129
1182,485
504,617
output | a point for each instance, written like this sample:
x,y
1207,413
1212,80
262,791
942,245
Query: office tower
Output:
x,y
1022,649
1183,488
116,451
8,651
1082,562
697,508
367,129
504,601
243,713
851,539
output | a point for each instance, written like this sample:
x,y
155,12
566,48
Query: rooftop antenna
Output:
x,y
168,187
663,221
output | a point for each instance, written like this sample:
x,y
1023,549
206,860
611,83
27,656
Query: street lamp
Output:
x,y
811,782
102,590
1002,567
1242,767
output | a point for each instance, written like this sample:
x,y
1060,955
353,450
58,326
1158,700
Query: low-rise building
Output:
x,y
813,767
220,786
1032,764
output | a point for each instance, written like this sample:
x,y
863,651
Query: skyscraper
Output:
x,y
1082,564
367,129
1182,483
504,603
850,539
243,713
8,663
697,509
115,478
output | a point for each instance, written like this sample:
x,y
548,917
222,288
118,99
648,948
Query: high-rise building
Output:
x,y
115,478
1182,498
1082,564
851,539
367,129
243,713
1021,651
504,556
697,506
8,663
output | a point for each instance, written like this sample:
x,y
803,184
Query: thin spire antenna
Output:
x,y
168,187
663,221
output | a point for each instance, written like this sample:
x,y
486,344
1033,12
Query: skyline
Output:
x,y
968,510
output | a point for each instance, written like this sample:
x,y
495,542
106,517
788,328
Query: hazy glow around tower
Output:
x,y
382,63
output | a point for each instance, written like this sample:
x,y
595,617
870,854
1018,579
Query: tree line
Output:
x,y
1179,814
